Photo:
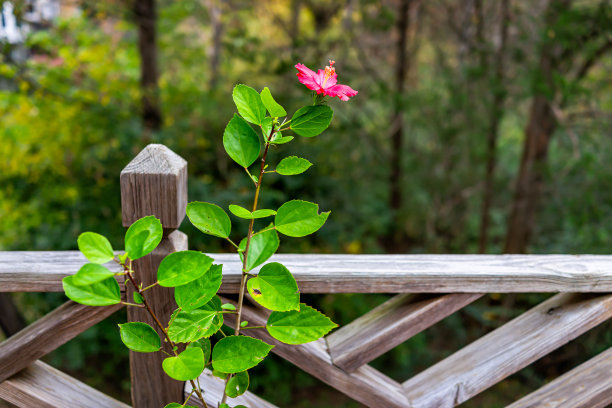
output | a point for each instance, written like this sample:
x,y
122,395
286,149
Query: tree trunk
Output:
x,y
214,11
530,181
407,8
146,17
495,117
538,133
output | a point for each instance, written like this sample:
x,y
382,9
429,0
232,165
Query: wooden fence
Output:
x,y
428,287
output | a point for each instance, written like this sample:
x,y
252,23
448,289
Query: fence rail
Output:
x,y
41,271
428,287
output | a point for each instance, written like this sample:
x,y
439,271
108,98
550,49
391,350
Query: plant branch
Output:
x,y
128,271
245,254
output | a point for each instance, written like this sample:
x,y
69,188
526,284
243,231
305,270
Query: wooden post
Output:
x,y
154,183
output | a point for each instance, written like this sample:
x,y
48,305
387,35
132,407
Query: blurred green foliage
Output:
x,y
69,122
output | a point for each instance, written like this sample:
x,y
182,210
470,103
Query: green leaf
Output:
x,y
298,327
143,236
298,218
138,298
275,288
177,405
228,306
266,128
95,247
310,121
271,105
292,165
180,268
263,246
241,142
199,291
263,213
206,347
249,103
91,273
122,258
215,306
233,354
220,374
140,337
242,212
191,326
237,385
244,323
209,218
186,366
102,293
282,140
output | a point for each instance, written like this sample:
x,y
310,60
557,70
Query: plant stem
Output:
x,y
150,286
128,271
245,254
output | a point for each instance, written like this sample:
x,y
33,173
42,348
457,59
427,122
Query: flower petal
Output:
x,y
341,91
331,81
307,77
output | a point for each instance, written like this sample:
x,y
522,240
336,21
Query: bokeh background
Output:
x,y
480,127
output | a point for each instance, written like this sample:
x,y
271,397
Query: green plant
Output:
x,y
196,279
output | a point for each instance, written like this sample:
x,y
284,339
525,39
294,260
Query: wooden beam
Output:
x,y
507,349
586,386
389,325
320,273
213,393
47,334
42,386
41,271
366,385
154,183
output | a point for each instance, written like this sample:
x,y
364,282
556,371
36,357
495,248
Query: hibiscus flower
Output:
x,y
324,81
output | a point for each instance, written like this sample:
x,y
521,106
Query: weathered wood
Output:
x,y
42,386
319,273
366,385
586,386
389,325
11,320
154,183
47,334
151,387
41,271
213,393
507,349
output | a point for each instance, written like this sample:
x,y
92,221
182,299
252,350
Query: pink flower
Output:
x,y
324,82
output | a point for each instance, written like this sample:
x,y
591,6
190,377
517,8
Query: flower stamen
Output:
x,y
329,71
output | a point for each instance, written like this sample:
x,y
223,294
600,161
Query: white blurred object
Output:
x,y
37,14
9,28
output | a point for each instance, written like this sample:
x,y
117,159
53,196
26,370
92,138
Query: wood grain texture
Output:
x,y
47,334
151,387
316,273
586,386
389,325
154,183
213,392
366,385
507,349
42,386
41,271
